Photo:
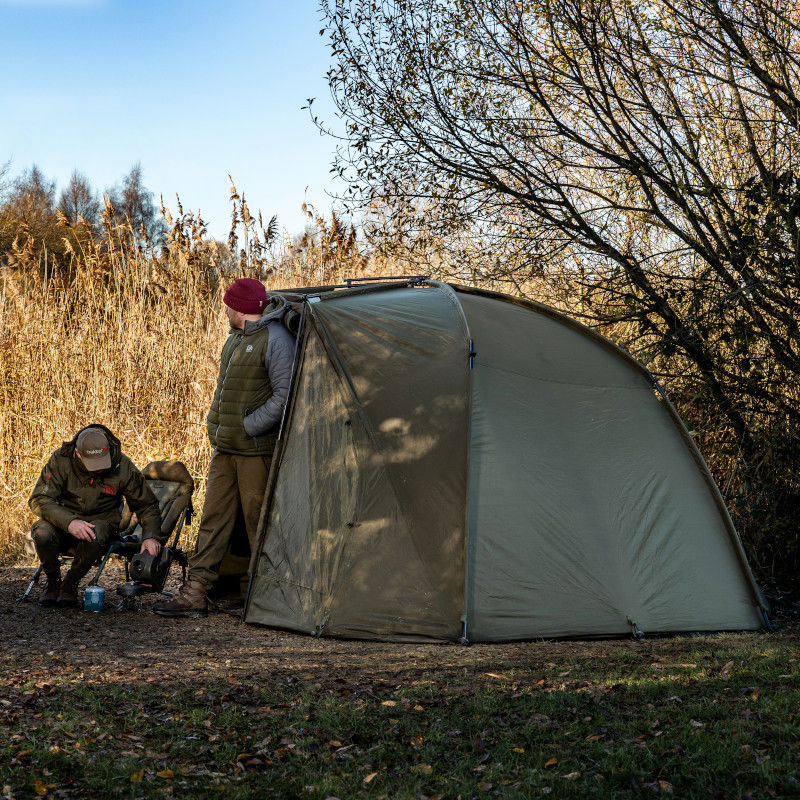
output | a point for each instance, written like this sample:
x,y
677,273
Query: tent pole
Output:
x,y
468,544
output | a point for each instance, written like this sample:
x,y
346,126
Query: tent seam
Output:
x,y
468,573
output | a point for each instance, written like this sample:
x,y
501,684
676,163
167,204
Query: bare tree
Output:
x,y
4,170
79,200
133,202
651,147
28,212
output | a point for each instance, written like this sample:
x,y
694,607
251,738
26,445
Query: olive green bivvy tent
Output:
x,y
457,464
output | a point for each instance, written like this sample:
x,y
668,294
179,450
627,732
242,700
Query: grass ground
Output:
x,y
124,704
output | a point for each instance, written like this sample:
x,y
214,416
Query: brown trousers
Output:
x,y
50,542
234,482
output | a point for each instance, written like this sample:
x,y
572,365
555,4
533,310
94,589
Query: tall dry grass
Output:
x,y
129,336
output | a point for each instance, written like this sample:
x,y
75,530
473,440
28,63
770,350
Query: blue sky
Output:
x,y
192,90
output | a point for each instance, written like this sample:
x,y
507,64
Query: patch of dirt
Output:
x,y
132,643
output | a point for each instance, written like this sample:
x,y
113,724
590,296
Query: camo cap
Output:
x,y
94,450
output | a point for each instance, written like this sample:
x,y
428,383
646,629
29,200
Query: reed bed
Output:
x,y
129,335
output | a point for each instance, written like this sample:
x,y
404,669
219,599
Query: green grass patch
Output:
x,y
713,717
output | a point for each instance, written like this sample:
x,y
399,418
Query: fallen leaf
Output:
x,y
389,703
754,694
571,776
334,743
166,774
518,749
666,786
422,769
485,787
371,777
551,762
137,777
39,788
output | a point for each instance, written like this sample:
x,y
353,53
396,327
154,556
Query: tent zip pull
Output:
x,y
472,354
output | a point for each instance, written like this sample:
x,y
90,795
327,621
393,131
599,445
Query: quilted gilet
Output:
x,y
242,386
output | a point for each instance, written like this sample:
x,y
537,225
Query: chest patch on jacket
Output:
x,y
249,349
105,489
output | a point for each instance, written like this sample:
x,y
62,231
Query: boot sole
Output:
x,y
48,603
194,614
67,603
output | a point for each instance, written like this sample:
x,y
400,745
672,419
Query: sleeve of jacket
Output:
x,y
44,502
142,502
278,361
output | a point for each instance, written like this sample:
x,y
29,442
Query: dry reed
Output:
x,y
128,336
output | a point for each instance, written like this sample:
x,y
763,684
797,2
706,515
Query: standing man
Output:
x,y
252,388
78,499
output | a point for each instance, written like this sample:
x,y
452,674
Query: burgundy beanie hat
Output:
x,y
246,295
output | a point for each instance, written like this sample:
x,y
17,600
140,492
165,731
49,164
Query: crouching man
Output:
x,y
78,499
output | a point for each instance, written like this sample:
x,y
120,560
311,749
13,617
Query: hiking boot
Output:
x,y
189,602
68,596
50,594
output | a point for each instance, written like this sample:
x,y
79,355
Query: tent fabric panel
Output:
x,y
285,591
385,590
587,510
405,355
572,356
338,558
